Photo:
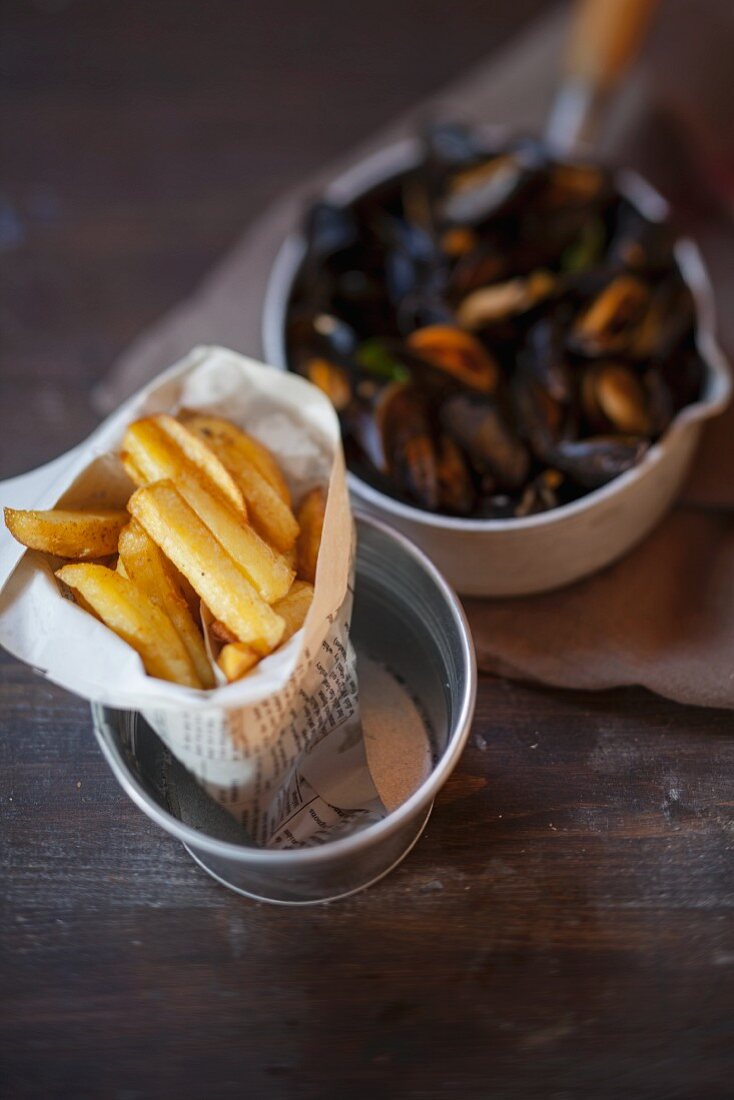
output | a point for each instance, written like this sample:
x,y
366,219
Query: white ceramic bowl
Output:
x,y
512,557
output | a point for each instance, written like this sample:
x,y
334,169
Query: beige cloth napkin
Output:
x,y
664,615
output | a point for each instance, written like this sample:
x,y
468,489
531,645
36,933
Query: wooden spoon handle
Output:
x,y
605,38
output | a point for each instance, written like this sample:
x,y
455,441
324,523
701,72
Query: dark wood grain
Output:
x,y
564,928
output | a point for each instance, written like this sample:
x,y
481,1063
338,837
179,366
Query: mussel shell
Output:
x,y
456,488
450,145
395,434
641,245
597,460
421,308
542,419
329,228
320,334
476,424
542,356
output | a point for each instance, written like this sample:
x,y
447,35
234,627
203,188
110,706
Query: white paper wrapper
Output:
x,y
282,749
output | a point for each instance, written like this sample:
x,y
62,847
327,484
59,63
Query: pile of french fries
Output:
x,y
208,563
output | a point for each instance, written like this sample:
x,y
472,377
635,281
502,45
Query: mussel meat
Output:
x,y
331,379
500,300
608,325
614,399
458,353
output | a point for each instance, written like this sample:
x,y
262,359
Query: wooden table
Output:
x,y
564,928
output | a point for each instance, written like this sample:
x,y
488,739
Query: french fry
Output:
x,y
222,633
159,458
236,659
205,461
174,526
264,568
157,448
67,534
311,522
125,609
148,568
186,590
132,470
268,512
293,608
217,432
120,567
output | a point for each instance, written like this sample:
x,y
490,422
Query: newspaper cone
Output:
x,y
281,749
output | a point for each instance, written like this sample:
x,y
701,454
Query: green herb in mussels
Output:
x,y
586,250
376,359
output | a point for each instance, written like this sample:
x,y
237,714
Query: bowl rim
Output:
x,y
398,157
421,798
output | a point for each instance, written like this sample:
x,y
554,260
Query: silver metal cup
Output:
x,y
406,616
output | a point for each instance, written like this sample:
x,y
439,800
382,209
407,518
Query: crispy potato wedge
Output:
x,y
293,608
160,458
175,527
311,522
148,568
215,431
157,448
236,659
125,609
67,534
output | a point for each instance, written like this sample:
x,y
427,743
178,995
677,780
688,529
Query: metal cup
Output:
x,y
406,616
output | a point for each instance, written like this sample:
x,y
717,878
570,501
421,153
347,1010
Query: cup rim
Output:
x,y
400,156
422,797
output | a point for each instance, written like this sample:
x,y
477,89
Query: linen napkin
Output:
x,y
663,616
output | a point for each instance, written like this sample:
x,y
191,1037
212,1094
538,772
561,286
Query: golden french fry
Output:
x,y
148,568
236,659
186,590
222,633
157,451
132,470
120,567
293,608
311,521
187,541
264,567
67,534
268,513
216,432
125,609
160,458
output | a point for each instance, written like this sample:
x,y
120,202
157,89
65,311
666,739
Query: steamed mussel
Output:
x,y
500,333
